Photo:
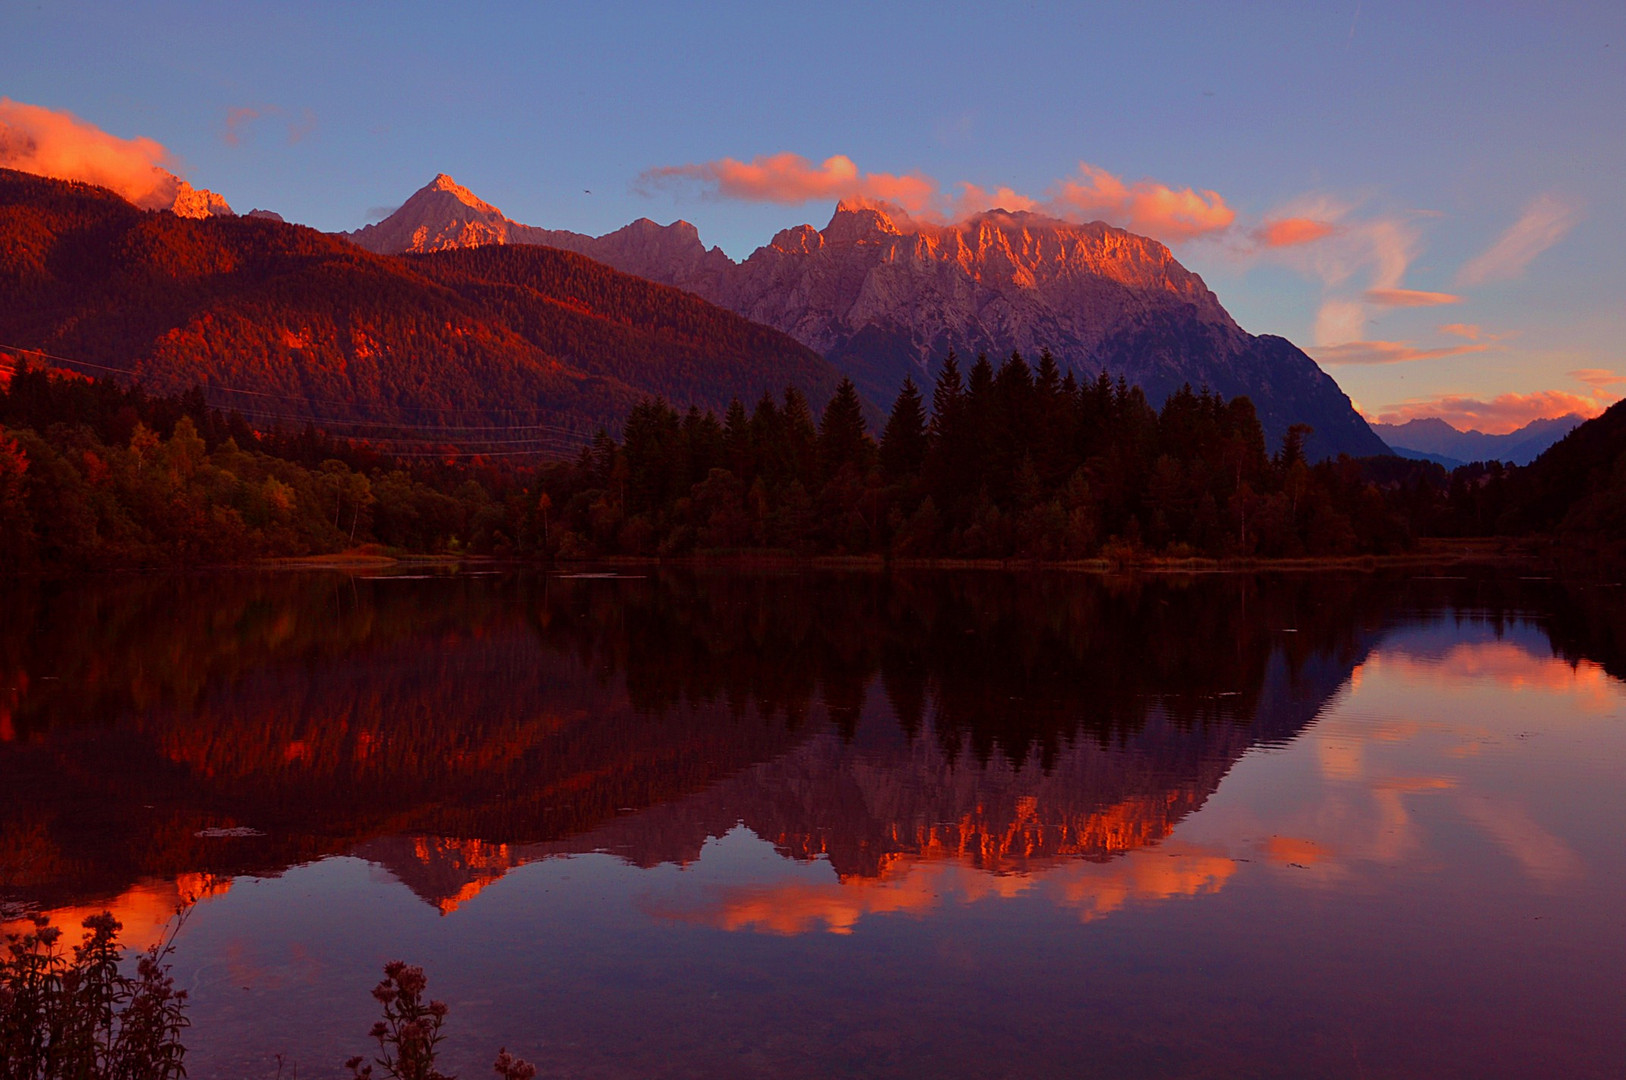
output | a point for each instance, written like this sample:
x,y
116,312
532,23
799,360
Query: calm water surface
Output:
x,y
811,825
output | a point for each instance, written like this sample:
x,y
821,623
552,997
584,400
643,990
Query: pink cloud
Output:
x,y
975,200
1498,416
1471,331
1597,378
1544,223
791,178
1145,206
62,146
1291,232
237,118
1387,352
298,129
1409,298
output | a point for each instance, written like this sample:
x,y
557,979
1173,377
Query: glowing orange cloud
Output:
x,y
1291,232
1499,415
62,146
1409,298
1145,206
1387,352
792,178
1471,331
974,200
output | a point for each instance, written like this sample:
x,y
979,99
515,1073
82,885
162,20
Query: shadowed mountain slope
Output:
x,y
1432,439
329,331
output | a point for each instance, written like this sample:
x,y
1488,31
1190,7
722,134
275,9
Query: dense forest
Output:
x,y
1006,462
96,475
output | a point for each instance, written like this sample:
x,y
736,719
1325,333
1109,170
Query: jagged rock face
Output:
x,y
191,202
882,297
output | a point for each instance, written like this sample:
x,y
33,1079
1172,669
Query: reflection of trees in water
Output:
x,y
324,710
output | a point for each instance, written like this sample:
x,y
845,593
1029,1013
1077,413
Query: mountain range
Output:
x,y
285,322
1432,439
882,296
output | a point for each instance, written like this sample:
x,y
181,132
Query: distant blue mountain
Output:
x,y
1433,439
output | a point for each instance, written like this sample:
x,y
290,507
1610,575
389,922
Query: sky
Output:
x,y
1425,197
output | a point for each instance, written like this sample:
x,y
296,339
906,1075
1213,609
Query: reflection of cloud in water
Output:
x,y
1288,850
1544,857
1507,664
911,885
1097,890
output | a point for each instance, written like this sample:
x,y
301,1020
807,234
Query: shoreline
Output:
x,y
1532,553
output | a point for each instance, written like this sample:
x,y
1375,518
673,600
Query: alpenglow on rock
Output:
x,y
882,296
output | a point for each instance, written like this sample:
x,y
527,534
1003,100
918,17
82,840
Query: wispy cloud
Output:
x,y
1600,379
240,117
298,129
1409,298
1388,352
237,119
1544,223
1497,416
1359,256
1293,231
60,145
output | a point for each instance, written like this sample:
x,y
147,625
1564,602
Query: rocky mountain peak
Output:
x,y
882,296
443,190
441,214
191,202
802,240
857,223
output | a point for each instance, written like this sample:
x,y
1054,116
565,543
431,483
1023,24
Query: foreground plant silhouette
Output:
x,y
75,1016
410,1032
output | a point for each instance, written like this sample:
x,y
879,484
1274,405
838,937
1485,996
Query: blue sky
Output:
x,y
1417,136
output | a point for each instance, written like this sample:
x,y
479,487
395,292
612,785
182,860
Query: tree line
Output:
x,y
1013,461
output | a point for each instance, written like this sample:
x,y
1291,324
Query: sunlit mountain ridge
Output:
x,y
882,296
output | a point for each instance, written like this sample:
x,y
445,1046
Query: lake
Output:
x,y
719,823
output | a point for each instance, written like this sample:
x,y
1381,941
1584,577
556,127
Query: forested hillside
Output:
x,y
321,329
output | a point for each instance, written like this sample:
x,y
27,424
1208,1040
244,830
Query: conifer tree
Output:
x,y
842,439
948,395
801,440
737,440
903,443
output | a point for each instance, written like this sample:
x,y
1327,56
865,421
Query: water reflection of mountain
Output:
x,y
1005,719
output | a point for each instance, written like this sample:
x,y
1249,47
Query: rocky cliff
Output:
x,y
883,296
